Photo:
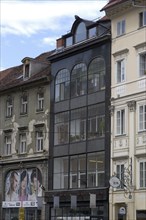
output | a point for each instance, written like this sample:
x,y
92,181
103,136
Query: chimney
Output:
x,y
60,43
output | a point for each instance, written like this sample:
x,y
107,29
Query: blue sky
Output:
x,y
31,27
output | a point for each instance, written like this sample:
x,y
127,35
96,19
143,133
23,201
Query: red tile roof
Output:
x,y
13,76
112,3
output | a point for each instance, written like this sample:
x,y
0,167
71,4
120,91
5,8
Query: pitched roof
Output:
x,y
112,3
13,76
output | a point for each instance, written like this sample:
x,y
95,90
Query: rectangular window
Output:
x,y
24,104
142,64
120,122
96,121
120,71
26,71
121,27
9,107
39,140
8,145
78,171
142,19
78,125
142,118
61,135
142,174
23,143
60,174
95,169
120,174
40,101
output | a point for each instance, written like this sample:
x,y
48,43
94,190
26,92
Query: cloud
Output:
x,y
28,17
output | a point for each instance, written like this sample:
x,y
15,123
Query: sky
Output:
x,y
31,27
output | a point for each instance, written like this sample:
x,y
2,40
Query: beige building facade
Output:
x,y
128,109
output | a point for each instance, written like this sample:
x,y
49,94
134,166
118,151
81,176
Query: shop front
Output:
x,y
23,190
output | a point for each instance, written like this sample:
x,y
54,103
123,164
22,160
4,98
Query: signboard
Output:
x,y
114,182
11,204
122,211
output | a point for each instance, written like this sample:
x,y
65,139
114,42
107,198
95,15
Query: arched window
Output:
x,y
96,75
62,85
79,80
81,33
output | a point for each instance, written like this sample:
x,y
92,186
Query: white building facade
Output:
x,y
128,109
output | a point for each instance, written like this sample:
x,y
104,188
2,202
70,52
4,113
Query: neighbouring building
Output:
x,y
79,153
24,138
128,108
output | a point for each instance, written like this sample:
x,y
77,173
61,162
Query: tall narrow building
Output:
x,y
79,155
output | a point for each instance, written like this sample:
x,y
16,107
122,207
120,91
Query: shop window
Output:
x,y
140,214
78,125
79,80
62,85
96,75
61,134
95,170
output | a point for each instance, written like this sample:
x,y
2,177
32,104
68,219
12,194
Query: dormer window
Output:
x,y
81,33
26,71
92,32
69,41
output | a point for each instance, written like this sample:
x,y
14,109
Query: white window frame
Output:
x,y
23,143
142,15
142,185
142,64
142,117
120,175
39,141
121,27
8,145
120,70
40,101
9,107
24,105
121,122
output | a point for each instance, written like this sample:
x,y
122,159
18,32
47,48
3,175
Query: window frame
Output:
x,y
121,27
142,19
142,174
39,140
142,123
24,105
9,107
120,70
40,101
62,81
8,145
120,121
120,170
142,64
23,143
